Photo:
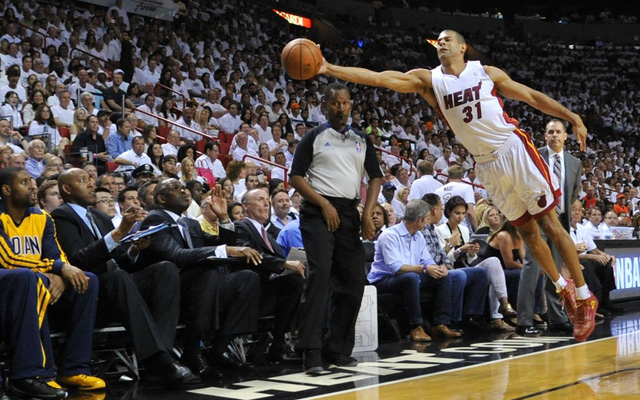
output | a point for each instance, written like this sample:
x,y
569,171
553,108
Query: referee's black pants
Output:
x,y
336,274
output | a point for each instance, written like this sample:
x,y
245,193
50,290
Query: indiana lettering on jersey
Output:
x,y
26,245
461,97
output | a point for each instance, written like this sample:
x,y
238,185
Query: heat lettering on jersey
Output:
x,y
461,97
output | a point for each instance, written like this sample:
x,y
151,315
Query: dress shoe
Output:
x,y
498,325
284,356
564,327
528,331
312,361
419,335
225,361
540,323
444,331
199,365
82,382
34,388
339,359
178,374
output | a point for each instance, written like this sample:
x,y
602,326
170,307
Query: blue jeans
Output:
x,y
468,292
410,285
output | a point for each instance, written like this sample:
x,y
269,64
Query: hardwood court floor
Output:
x,y
485,366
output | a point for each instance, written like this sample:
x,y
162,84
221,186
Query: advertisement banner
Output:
x,y
161,9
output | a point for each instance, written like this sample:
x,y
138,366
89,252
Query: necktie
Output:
x,y
266,239
184,230
93,226
111,264
557,171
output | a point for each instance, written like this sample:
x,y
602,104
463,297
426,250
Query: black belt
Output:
x,y
340,203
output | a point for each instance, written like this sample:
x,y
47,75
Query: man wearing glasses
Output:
x,y
35,164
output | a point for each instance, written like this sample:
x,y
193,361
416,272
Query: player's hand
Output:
x,y
295,266
76,277
581,134
56,287
323,67
331,217
252,256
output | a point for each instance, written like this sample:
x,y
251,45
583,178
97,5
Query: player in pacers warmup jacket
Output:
x,y
508,164
28,240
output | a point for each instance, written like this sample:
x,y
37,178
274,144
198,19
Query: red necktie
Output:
x,y
266,239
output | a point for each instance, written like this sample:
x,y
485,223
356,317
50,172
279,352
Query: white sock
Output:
x,y
560,283
583,292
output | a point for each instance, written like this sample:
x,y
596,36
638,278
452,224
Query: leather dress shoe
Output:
x,y
284,356
224,361
178,374
564,327
199,365
444,331
528,331
419,335
34,388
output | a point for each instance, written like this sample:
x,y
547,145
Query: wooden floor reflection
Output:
x,y
603,369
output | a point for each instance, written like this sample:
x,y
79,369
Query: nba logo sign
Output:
x,y
358,146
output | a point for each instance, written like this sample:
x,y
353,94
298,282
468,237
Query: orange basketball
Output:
x,y
301,59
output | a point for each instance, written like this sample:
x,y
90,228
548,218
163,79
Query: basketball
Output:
x,y
301,59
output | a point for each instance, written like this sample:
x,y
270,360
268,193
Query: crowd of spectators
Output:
x,y
189,99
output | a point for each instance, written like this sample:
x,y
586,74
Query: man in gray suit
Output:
x,y
569,169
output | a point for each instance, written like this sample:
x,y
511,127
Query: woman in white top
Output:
x,y
44,125
454,237
188,171
29,111
79,117
10,108
263,152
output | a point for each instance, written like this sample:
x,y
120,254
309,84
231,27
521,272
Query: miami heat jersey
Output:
x,y
470,106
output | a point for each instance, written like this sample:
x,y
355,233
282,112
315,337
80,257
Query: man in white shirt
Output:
x,y
443,162
426,183
456,188
6,134
173,144
82,85
187,120
230,122
132,159
213,102
209,160
194,86
63,113
242,147
13,76
148,106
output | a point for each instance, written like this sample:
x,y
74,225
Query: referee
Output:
x,y
333,158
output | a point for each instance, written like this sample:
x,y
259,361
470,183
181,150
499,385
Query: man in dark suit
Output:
x,y
146,301
567,170
212,298
279,294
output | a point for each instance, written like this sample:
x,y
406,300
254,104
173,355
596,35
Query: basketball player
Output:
x,y
508,164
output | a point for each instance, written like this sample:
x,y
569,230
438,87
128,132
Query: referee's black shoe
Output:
x,y
34,388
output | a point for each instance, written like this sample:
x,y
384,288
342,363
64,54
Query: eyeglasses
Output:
x,y
106,201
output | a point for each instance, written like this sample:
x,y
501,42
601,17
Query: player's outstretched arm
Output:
x,y
517,91
414,81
